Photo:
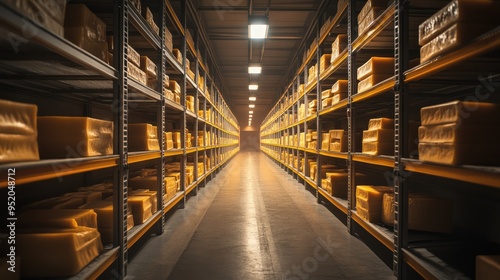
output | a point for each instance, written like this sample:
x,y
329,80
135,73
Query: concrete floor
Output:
x,y
254,221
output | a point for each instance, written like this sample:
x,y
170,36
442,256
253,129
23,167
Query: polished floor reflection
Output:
x,y
253,221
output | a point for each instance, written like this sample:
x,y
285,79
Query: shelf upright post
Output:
x,y
183,103
401,44
120,116
351,77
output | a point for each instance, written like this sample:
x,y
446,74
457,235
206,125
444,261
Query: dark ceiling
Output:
x,y
226,24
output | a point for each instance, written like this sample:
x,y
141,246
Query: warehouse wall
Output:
x,y
249,140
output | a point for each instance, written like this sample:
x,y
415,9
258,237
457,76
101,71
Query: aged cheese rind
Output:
x,y
380,123
58,254
453,37
459,153
461,112
378,148
15,147
376,65
17,118
452,133
57,218
378,135
466,11
372,80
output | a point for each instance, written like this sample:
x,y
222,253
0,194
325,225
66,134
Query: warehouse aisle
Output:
x,y
253,221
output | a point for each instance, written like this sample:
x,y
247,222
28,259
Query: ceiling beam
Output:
x,y
216,8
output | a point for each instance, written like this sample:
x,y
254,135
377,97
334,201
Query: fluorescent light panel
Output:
x,y
252,98
251,105
253,86
250,112
254,69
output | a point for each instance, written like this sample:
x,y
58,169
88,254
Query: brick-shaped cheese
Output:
x,y
57,218
338,97
324,62
60,253
453,37
466,11
371,16
380,123
376,65
175,87
340,86
369,5
18,132
326,93
369,201
137,74
378,148
487,267
453,133
140,208
149,67
459,153
327,102
338,46
142,137
372,80
378,135
49,14
133,56
338,140
461,112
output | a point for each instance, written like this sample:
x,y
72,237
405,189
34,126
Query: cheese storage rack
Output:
x,y
469,72
43,68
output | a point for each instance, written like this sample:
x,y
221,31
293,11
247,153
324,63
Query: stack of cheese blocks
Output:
x,y
324,62
176,89
172,185
339,91
460,133
313,107
336,183
148,16
338,46
18,132
142,137
369,13
56,243
425,212
176,138
190,103
454,25
369,201
337,140
81,137
84,29
134,66
379,138
326,98
325,141
374,71
169,142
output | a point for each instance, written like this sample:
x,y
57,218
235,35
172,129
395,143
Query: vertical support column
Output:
x,y
161,117
351,77
120,116
401,43
183,103
318,100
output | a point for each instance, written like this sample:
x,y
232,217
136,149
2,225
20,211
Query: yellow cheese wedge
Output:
x,y
148,182
338,46
369,5
313,103
369,201
137,74
59,218
168,136
464,11
327,102
378,148
104,211
378,135
82,137
461,112
459,153
372,80
376,65
61,253
487,267
380,123
140,208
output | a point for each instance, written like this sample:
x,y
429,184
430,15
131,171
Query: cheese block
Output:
x,y
372,80
137,74
338,46
338,97
133,56
57,218
453,37
380,123
326,93
378,148
325,184
324,62
487,267
84,29
142,137
425,212
147,172
166,80
338,140
464,11
340,86
82,136
452,133
376,65
459,153
148,66
50,14
461,112
371,16
378,135
16,147
104,211
107,233
312,73
140,208
17,118
313,103
369,5
369,201
148,15
87,196
168,39
178,55
175,87
61,253
327,102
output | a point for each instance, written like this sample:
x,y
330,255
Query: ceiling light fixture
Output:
x,y
258,27
250,112
253,86
251,105
252,98
254,68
